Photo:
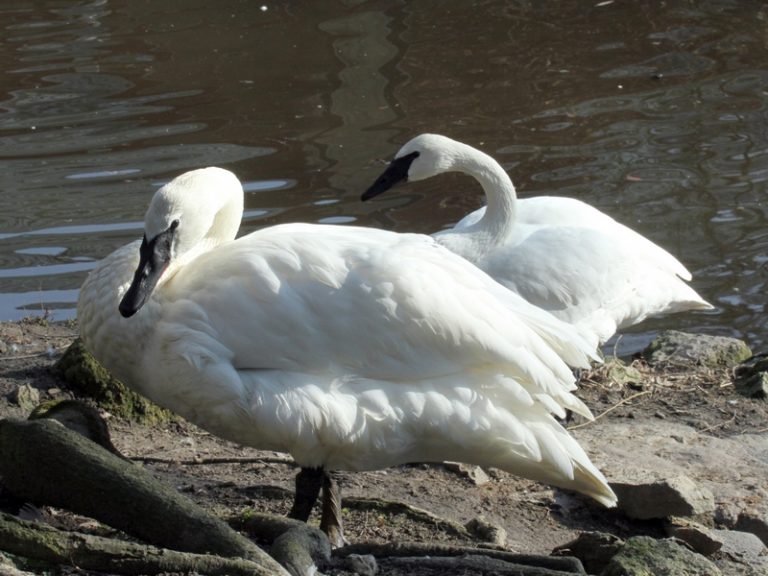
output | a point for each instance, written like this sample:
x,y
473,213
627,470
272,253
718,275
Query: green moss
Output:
x,y
87,377
616,370
645,556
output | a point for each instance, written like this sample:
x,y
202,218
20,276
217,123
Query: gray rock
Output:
x,y
26,396
486,531
594,549
12,566
739,545
80,417
750,378
733,469
697,536
732,568
680,348
474,473
362,564
751,522
645,497
645,556
753,387
726,515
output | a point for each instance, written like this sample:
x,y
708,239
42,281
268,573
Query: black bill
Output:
x,y
154,257
396,172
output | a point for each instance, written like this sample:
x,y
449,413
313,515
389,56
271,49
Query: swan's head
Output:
x,y
190,215
422,157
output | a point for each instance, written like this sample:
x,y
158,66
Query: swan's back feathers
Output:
x,y
391,290
581,265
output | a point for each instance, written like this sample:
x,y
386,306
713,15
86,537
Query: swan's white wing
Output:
x,y
353,348
470,219
551,211
380,304
580,264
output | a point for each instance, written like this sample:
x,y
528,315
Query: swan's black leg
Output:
x,y
330,521
308,484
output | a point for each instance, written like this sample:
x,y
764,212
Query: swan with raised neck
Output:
x,y
558,253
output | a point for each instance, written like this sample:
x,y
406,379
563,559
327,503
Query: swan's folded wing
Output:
x,y
373,304
596,279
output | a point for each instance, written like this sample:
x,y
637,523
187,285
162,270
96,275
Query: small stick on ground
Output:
x,y
416,514
611,409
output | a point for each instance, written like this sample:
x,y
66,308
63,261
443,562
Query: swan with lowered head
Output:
x,y
348,348
558,253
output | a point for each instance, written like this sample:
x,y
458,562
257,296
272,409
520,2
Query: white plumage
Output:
x,y
558,253
349,348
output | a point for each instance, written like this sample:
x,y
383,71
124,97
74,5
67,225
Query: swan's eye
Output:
x,y
174,224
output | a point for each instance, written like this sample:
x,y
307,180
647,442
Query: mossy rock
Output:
x,y
646,556
618,371
680,348
87,377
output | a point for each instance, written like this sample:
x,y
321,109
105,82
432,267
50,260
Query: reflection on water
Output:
x,y
359,103
654,114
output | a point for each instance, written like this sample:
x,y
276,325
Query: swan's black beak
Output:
x,y
154,257
396,172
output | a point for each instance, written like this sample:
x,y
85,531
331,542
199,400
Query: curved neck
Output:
x,y
500,195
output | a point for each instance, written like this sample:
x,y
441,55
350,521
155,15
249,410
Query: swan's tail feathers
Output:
x,y
694,302
594,486
585,477
587,480
682,297
661,298
559,460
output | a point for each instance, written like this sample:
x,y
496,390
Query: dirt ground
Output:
x,y
227,478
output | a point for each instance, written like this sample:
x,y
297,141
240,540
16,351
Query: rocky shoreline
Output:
x,y
681,433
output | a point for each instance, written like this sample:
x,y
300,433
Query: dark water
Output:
x,y
655,114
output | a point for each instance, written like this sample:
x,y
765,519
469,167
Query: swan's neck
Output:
x,y
179,261
501,199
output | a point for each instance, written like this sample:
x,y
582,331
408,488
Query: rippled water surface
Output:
x,y
656,115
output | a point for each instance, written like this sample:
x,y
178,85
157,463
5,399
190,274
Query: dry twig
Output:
x,y
611,409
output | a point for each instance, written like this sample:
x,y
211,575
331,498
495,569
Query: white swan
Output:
x,y
558,253
349,348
